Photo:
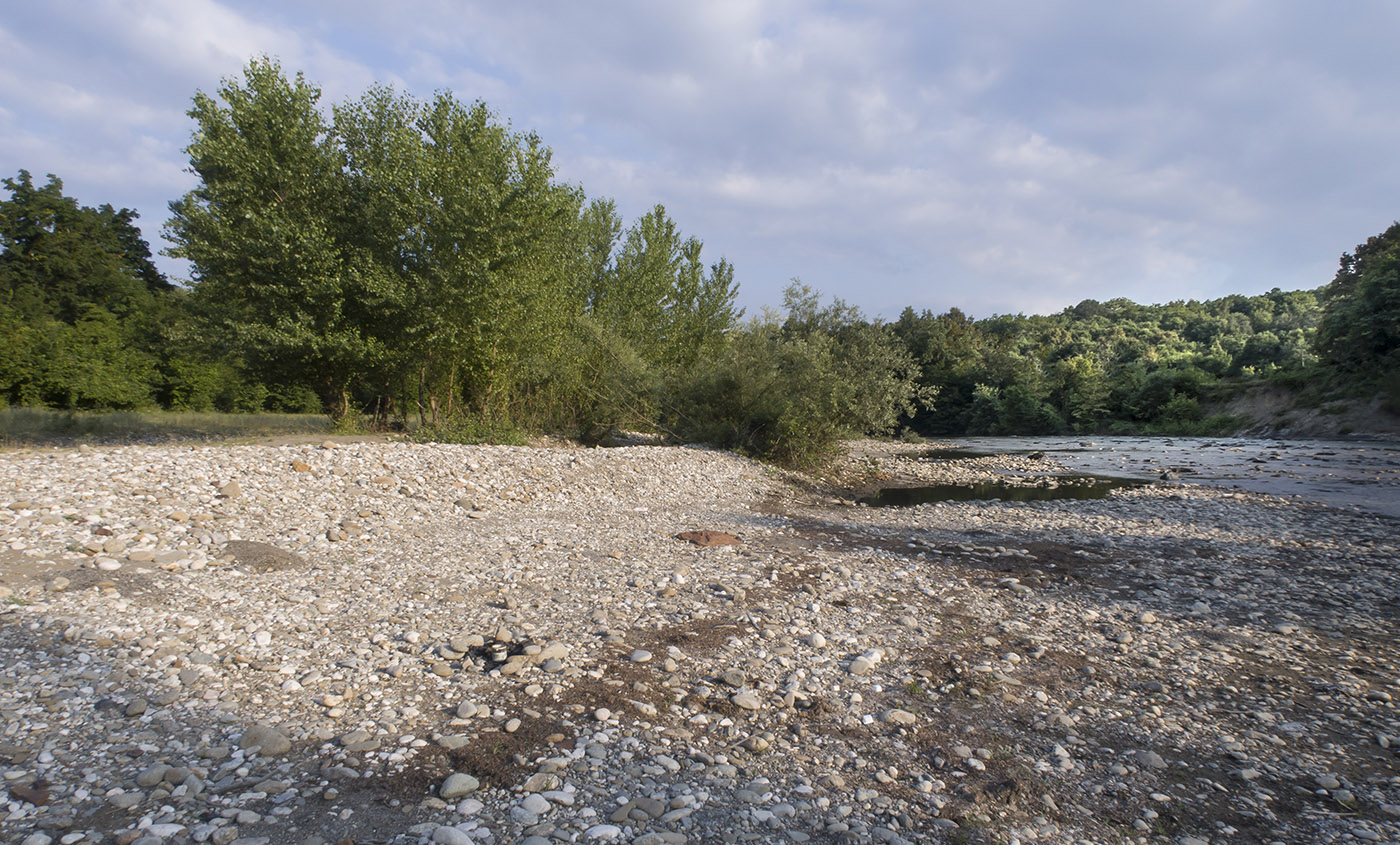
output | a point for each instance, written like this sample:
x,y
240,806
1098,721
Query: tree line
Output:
x,y
417,262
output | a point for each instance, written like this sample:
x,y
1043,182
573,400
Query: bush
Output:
x,y
789,392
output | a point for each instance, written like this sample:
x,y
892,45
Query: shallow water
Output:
x,y
1067,487
1357,474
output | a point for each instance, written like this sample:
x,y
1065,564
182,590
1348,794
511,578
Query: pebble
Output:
x,y
798,686
451,836
269,741
747,699
457,785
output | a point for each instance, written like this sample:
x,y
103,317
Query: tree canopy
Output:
x,y
405,258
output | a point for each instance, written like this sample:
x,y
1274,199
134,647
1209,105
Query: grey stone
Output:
x,y
1149,759
270,741
457,785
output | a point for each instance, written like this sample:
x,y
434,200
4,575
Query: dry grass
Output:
x,y
46,427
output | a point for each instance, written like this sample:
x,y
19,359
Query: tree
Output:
x,y
499,247
269,270
1359,333
57,257
788,389
81,304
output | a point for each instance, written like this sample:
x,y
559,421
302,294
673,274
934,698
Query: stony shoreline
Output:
x,y
427,643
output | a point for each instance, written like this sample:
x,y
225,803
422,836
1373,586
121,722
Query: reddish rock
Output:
x,y
708,538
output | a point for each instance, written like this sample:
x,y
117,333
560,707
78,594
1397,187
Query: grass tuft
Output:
x,y
47,427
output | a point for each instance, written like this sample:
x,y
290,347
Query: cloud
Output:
x,y
997,156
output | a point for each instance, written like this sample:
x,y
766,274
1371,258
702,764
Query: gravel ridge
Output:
x,y
387,642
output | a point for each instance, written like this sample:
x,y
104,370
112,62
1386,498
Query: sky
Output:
x,y
997,157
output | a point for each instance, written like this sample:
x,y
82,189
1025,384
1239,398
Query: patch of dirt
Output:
x,y
260,557
1274,411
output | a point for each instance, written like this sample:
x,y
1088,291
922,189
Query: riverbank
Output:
x,y
307,643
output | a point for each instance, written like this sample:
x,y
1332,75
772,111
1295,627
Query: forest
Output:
x,y
402,264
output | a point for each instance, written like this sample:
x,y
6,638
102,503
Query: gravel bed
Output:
x,y
382,642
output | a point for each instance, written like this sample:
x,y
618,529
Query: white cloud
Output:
x,y
1003,156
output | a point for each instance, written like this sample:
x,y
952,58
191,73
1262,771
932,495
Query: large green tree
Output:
x,y
1359,333
82,308
260,231
57,257
658,295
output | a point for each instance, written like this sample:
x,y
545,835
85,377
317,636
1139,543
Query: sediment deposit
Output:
x,y
424,643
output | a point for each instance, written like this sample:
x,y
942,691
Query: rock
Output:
x,y
641,655
231,490
708,538
734,678
1328,782
602,714
865,663
270,741
451,836
542,782
747,699
535,804
152,775
298,465
1149,760
603,832
898,717
816,640
457,785
36,795
165,831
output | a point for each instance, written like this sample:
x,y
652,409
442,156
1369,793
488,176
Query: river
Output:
x,y
1360,475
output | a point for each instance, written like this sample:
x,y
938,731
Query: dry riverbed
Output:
x,y
381,642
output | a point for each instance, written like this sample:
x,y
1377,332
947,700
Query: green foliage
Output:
x,y
57,257
278,288
80,302
419,258
655,293
789,390
1359,334
1104,366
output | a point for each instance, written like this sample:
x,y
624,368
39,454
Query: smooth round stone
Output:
x,y
747,699
457,785
535,803
899,717
451,836
602,714
641,655
271,742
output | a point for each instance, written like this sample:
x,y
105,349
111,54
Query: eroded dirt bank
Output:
x,y
390,642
